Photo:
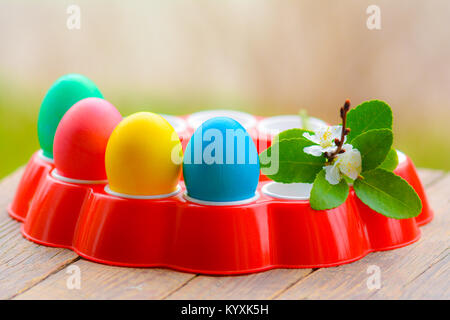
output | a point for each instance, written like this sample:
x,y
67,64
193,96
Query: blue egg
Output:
x,y
221,163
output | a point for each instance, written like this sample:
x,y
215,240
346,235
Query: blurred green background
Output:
x,y
264,57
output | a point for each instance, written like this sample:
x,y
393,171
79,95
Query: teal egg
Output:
x,y
64,93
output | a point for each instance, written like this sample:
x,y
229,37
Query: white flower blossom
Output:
x,y
324,137
347,163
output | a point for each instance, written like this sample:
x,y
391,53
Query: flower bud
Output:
x,y
347,105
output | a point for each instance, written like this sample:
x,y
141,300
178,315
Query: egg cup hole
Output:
x,y
401,157
287,191
247,120
55,174
45,158
131,196
274,125
221,203
178,124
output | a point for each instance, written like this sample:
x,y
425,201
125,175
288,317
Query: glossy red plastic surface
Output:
x,y
267,233
184,138
386,233
54,212
407,171
36,168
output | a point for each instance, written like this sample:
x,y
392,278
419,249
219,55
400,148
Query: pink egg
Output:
x,y
81,139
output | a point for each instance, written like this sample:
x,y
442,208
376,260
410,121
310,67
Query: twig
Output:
x,y
345,131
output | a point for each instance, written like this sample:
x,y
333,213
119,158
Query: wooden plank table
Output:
x,y
421,270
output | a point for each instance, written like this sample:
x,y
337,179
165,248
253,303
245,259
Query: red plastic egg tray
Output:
x,y
179,234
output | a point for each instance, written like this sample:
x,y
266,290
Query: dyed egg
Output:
x,y
62,95
144,156
81,139
221,163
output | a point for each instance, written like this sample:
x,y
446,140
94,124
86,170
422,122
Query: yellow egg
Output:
x,y
143,156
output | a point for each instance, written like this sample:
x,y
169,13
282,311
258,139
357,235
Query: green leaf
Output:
x,y
388,194
292,164
374,146
327,196
369,115
291,134
391,161
348,180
